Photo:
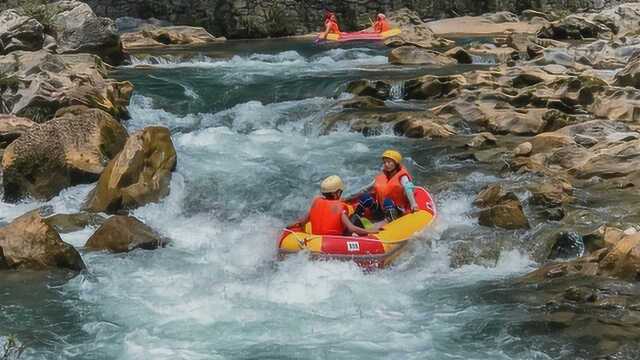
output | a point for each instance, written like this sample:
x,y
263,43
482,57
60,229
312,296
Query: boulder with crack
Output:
x,y
140,174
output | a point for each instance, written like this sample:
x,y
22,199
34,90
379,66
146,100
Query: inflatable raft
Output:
x,y
361,36
369,252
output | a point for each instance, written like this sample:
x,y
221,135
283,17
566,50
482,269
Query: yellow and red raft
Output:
x,y
369,252
361,36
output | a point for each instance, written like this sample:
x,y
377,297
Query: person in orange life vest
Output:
x,y
330,26
390,195
329,215
381,25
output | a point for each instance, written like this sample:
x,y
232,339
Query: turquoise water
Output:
x,y
250,156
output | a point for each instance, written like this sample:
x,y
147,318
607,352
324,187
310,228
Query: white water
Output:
x,y
216,291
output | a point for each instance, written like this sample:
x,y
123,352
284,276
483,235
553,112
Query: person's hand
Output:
x,y
414,209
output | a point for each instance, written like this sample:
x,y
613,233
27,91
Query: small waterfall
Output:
x,y
483,60
397,90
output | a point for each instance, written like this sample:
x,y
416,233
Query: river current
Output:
x,y
247,129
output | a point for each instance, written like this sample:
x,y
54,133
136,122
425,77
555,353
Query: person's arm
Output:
x,y
362,191
408,191
355,229
327,29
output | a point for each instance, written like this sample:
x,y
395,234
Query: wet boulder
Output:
x,y
37,84
482,140
162,37
12,127
461,55
431,87
423,128
412,55
29,242
551,193
139,175
123,234
19,32
500,208
567,245
377,89
623,261
66,223
77,29
71,149
362,102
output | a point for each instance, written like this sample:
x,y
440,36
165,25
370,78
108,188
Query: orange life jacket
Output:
x,y
381,26
326,216
333,27
392,188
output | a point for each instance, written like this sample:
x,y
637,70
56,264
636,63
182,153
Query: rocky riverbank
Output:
x,y
557,113
64,126
562,116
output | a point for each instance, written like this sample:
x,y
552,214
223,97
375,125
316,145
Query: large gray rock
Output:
x,y
71,149
77,29
19,32
29,242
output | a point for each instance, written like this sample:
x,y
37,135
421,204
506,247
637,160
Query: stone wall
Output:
x,y
262,18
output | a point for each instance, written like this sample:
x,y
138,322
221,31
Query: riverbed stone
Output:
x,y
29,242
122,233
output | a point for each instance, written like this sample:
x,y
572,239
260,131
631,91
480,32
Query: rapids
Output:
x,y
250,157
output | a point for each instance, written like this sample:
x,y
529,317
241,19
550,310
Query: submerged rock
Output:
x,y
140,174
122,234
71,149
29,242
566,246
377,89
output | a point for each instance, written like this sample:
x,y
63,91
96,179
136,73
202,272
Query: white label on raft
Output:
x,y
353,246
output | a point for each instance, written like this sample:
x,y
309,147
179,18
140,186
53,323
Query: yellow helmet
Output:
x,y
331,184
393,155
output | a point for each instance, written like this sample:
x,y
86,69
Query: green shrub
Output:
x,y
39,10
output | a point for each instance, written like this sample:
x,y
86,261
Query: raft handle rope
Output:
x,y
303,242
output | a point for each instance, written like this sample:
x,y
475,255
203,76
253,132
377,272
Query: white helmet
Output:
x,y
331,184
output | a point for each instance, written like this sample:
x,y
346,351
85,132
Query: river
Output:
x,y
246,123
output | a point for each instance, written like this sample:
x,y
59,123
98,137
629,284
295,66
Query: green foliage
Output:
x,y
39,10
12,349
277,22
